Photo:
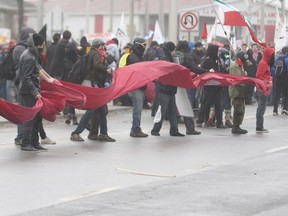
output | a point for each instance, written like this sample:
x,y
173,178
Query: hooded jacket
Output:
x,y
28,70
22,45
263,70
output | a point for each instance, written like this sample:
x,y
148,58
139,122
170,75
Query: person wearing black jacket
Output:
x,y
167,98
29,89
57,67
137,96
212,93
182,49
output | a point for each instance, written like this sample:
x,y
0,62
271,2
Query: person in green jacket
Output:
x,y
237,92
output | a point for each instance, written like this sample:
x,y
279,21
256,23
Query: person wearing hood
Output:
x,y
137,96
167,100
237,92
17,52
263,73
212,93
29,89
112,49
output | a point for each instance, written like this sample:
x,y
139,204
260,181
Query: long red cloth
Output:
x,y
58,94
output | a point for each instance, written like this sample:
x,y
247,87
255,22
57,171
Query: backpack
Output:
x,y
7,70
182,58
152,54
123,60
280,67
79,70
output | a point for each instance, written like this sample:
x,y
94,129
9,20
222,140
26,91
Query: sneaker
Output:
x,y
18,141
48,141
74,120
93,137
262,130
177,134
29,148
76,137
105,138
155,133
284,112
138,134
275,113
40,148
68,120
193,132
228,124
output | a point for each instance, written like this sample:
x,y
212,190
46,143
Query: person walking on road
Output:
x,y
263,73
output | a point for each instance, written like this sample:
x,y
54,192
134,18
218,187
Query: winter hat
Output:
x,y
170,46
285,49
198,44
67,35
97,42
242,56
38,39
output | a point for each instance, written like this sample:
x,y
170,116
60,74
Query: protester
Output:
x,y
51,51
98,76
263,73
167,102
182,52
281,82
212,94
237,93
29,89
57,68
17,52
138,95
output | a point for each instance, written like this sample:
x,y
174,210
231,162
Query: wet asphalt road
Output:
x,y
217,173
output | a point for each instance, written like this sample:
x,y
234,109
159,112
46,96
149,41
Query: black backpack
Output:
x,y
280,67
79,70
7,70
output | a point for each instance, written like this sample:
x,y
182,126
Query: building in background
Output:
x,y
96,18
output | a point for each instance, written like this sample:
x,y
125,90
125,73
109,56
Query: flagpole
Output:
x,y
222,26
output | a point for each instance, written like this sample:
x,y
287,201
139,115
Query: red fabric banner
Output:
x,y
56,95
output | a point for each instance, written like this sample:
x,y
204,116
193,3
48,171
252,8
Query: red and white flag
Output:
x,y
233,17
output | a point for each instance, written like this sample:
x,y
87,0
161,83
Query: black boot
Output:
x,y
237,130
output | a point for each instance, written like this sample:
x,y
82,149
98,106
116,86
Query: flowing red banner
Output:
x,y
58,94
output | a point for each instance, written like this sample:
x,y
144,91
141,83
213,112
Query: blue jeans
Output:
x,y
137,96
167,103
83,122
262,103
9,89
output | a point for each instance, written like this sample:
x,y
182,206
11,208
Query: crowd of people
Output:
x,y
35,60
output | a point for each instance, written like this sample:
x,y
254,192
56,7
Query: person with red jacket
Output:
x,y
263,73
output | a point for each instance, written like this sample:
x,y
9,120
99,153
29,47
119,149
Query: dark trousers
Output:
x,y
99,120
281,89
212,96
239,110
167,103
30,129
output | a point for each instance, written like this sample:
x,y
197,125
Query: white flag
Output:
x,y
121,32
158,34
280,32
